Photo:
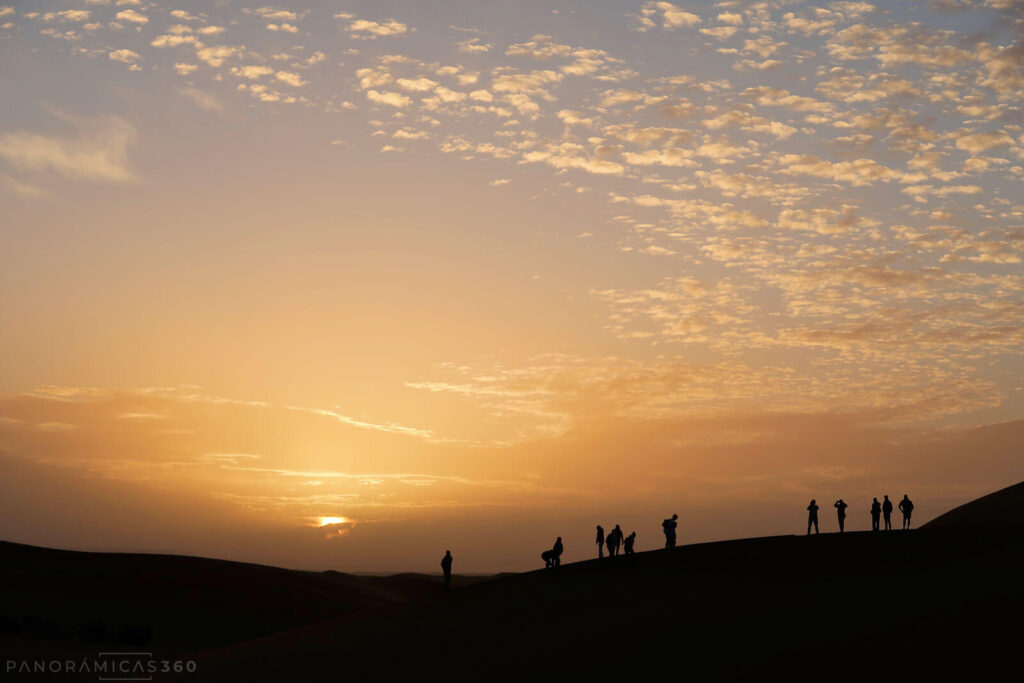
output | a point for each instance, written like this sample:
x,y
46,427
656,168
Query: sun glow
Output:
x,y
328,521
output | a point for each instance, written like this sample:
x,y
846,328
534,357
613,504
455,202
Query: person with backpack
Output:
x,y
669,528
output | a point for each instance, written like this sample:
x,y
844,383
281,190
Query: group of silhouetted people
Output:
x,y
879,511
614,541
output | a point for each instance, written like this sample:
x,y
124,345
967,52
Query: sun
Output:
x,y
327,521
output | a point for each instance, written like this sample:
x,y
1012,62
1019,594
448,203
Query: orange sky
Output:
x,y
479,276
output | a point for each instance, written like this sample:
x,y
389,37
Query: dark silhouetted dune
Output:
x,y
921,603
1004,508
175,602
940,603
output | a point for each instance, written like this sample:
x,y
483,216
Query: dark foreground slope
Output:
x,y
60,602
1004,508
930,602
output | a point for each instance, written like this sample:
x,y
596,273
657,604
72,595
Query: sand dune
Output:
x,y
926,603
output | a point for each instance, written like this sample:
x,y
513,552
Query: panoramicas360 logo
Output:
x,y
107,666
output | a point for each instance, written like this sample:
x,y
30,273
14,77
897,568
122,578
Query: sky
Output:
x,y
341,285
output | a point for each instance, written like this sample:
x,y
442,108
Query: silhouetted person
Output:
x,y
617,537
812,517
628,543
446,567
840,507
556,552
906,507
669,527
549,558
876,512
613,541
887,512
600,541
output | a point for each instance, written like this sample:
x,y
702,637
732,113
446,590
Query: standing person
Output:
x,y
669,527
600,541
812,517
906,507
556,552
840,507
876,511
618,535
887,512
446,567
628,543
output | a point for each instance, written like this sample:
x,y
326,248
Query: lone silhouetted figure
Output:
x,y
628,543
906,507
446,567
876,512
600,541
887,513
840,507
556,552
669,527
812,517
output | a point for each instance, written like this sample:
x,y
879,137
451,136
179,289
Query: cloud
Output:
x,y
391,99
290,78
857,172
667,15
975,143
365,29
124,55
252,72
63,15
473,45
132,17
216,55
97,152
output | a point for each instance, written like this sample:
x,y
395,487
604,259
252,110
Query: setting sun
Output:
x,y
327,521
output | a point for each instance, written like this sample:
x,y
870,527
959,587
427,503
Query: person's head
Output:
x,y
886,497
559,539
447,552
598,526
875,499
812,501
904,496
675,516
